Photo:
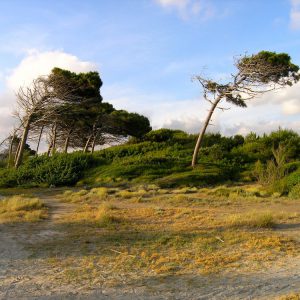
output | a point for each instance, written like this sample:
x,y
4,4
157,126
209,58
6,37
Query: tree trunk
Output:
x,y
39,141
17,151
201,135
67,143
49,149
94,143
86,147
10,150
54,139
22,144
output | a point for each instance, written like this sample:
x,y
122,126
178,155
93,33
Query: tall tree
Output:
x,y
255,75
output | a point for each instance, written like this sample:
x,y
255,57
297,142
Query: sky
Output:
x,y
147,51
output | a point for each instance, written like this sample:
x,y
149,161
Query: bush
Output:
x,y
58,170
292,179
295,192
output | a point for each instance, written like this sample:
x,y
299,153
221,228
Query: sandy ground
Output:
x,y
25,277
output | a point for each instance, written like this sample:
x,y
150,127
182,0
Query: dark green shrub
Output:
x,y
295,192
57,170
292,179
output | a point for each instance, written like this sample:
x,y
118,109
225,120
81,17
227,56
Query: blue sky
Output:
x,y
147,51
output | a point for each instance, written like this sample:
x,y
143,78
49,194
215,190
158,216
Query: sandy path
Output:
x,y
25,277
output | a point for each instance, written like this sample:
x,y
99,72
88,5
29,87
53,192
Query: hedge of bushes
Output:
x,y
57,170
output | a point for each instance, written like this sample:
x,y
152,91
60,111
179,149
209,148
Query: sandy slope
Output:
x,y
25,277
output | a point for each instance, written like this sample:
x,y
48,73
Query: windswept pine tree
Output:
x,y
255,75
69,109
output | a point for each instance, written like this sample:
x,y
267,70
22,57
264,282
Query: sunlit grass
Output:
x,y
292,296
142,232
85,195
22,209
253,219
98,216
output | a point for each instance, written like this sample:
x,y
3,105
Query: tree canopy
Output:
x,y
68,109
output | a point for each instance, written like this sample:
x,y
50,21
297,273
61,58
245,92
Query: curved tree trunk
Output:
x,y
39,141
86,147
201,135
17,151
49,149
10,150
66,146
22,144
54,139
67,141
94,143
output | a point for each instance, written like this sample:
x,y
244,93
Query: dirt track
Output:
x,y
22,276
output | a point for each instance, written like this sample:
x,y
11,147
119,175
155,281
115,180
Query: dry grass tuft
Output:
x,y
253,220
99,216
100,192
83,196
22,209
104,215
126,194
293,296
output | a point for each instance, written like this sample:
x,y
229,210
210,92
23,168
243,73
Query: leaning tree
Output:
x,y
255,75
38,105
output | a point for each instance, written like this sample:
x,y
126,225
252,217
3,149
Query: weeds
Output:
x,y
22,209
252,220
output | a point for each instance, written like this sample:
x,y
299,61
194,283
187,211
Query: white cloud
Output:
x,y
189,8
41,63
295,14
34,64
287,99
291,107
189,114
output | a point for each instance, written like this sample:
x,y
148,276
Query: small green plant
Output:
x,y
274,171
295,192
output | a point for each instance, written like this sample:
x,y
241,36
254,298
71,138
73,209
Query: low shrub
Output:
x,y
57,170
295,192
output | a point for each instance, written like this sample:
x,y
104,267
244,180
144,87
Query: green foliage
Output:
x,y
274,171
163,157
60,169
85,85
295,192
131,124
269,67
168,135
293,179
